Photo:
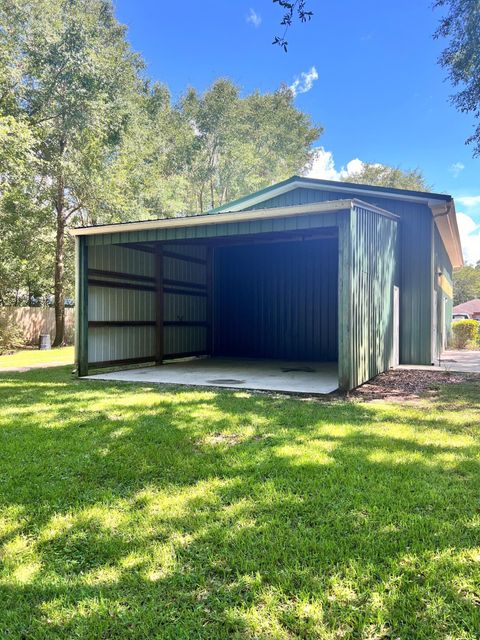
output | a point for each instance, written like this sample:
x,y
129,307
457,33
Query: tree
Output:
x,y
240,144
466,284
461,58
75,75
385,176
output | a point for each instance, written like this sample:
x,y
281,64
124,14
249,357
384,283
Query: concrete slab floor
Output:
x,y
237,373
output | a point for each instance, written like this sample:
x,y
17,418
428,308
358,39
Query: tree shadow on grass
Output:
x,y
207,514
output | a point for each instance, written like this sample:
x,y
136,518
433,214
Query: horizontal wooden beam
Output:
x,y
181,256
200,289
185,323
139,247
185,354
126,361
121,323
119,285
120,275
118,363
182,283
184,292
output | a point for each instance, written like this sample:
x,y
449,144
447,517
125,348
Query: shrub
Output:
x,y
464,332
11,336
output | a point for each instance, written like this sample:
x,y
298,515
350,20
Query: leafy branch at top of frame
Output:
x,y
296,9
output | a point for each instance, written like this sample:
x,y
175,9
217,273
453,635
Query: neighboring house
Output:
x,y
469,309
303,270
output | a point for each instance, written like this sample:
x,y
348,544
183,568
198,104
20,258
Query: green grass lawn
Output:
x,y
33,357
136,512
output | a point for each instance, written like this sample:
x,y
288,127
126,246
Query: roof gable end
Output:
x,y
296,182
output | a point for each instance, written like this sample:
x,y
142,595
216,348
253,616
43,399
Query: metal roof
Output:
x,y
238,216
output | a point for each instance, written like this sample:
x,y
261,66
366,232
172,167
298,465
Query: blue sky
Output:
x,y
371,72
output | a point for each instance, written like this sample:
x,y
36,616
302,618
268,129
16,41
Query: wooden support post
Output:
x,y
159,307
210,292
81,305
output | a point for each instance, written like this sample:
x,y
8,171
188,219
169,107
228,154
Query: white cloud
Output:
x,y
456,169
469,236
323,166
254,18
305,82
469,202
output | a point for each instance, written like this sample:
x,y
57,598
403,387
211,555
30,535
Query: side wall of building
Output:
x,y
370,263
121,305
117,304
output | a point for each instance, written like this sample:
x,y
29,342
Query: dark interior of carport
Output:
x,y
265,296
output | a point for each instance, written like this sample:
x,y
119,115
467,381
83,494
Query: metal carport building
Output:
x,y
306,270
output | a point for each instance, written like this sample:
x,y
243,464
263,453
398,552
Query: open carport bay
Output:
x,y
254,313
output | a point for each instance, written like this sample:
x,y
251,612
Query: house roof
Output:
x,y
470,307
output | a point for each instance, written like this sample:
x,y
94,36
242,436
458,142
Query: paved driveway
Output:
x,y
465,361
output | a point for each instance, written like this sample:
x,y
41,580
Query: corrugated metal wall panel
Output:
x,y
219,230
277,300
373,265
184,340
120,343
116,258
120,304
107,304
188,307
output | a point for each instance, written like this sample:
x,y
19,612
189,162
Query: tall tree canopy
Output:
x,y
461,58
242,144
386,176
85,137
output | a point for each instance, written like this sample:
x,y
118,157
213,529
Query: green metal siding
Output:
x,y
277,300
318,299
268,225
183,307
108,343
373,250
414,269
107,304
117,304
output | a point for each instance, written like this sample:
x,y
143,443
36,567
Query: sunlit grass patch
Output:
x,y
32,357
141,512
